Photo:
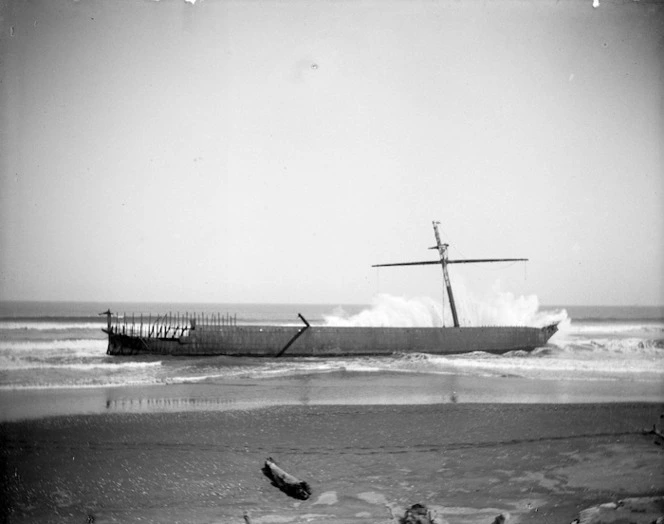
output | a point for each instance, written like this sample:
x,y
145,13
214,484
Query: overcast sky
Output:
x,y
255,151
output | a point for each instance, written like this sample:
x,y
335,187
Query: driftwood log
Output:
x,y
290,485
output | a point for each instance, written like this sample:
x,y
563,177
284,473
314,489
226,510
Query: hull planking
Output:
x,y
319,341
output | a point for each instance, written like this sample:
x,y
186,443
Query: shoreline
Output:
x,y
317,389
469,462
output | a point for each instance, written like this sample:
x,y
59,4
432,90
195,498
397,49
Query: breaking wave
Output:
x,y
47,353
541,365
391,311
75,366
41,325
49,345
499,309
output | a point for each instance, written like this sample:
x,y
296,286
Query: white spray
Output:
x,y
500,308
390,311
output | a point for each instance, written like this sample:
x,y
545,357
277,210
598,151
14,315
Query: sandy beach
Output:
x,y
468,461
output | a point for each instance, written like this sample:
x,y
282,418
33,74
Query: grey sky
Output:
x,y
272,151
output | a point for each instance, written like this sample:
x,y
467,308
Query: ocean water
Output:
x,y
52,345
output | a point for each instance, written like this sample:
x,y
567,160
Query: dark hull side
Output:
x,y
275,341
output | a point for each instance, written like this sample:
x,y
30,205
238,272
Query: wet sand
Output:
x,y
469,461
316,389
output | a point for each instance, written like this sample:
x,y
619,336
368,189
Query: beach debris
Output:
x,y
290,485
420,514
500,519
654,431
635,510
247,519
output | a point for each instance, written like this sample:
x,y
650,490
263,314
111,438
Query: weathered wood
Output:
x,y
290,485
300,331
419,514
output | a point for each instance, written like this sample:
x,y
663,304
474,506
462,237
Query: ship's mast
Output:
x,y
442,251
444,261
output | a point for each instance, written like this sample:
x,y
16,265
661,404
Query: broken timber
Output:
x,y
290,485
290,342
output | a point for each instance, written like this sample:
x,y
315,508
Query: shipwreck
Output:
x,y
201,334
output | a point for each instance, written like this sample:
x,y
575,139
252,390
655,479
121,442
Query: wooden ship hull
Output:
x,y
217,335
323,341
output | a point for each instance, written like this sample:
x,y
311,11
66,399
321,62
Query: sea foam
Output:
x,y
500,308
42,325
